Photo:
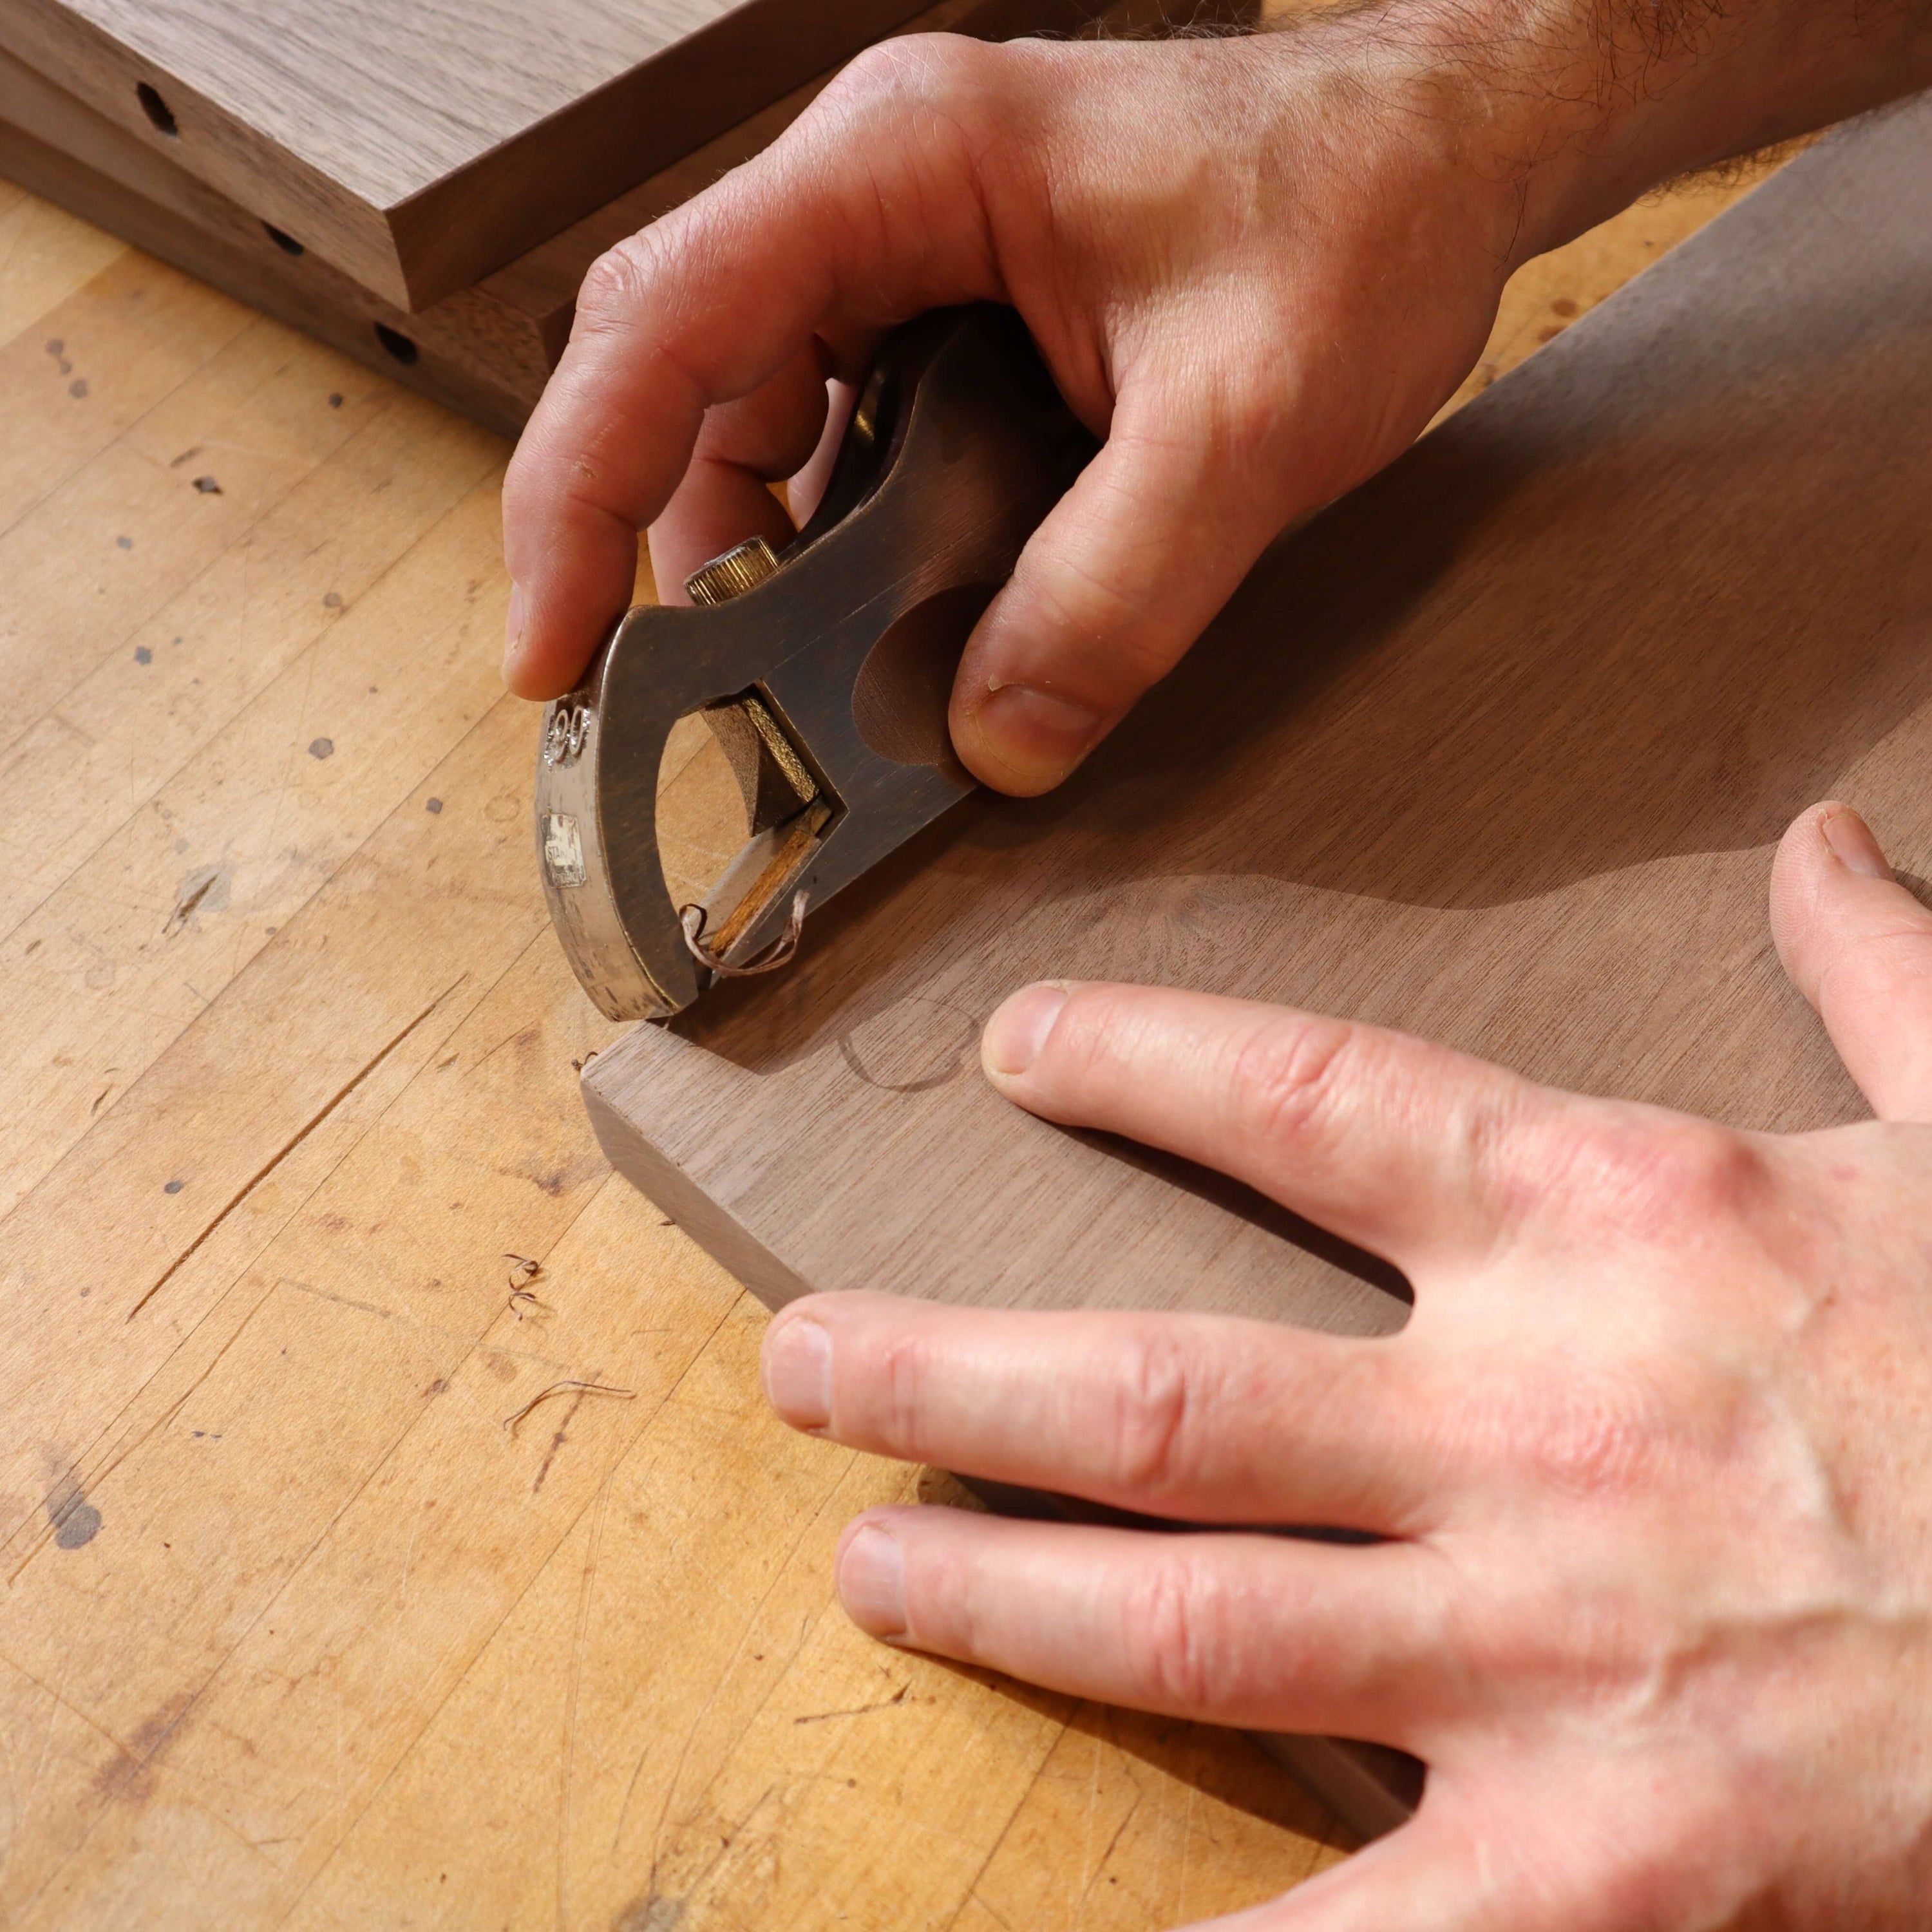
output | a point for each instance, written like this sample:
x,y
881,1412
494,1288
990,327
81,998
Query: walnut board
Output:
x,y
1495,750
419,148
486,350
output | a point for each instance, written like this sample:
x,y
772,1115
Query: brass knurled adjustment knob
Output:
x,y
741,568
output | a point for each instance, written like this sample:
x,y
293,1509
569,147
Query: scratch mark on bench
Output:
x,y
288,1147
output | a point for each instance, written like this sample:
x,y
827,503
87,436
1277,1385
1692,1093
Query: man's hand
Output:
x,y
1652,1460
1256,266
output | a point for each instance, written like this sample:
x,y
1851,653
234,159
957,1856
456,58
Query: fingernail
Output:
x,y
1850,838
1037,737
513,625
1018,1030
798,1372
871,1582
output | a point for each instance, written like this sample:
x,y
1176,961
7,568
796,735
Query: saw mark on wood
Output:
x,y
382,1462
466,1339
971,1895
718,1683
126,1777
1094,1877
289,1147
344,1300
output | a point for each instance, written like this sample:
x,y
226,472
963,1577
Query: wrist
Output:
x,y
1570,110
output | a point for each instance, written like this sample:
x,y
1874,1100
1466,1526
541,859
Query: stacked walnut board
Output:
x,y
486,349
1495,750
478,356
418,148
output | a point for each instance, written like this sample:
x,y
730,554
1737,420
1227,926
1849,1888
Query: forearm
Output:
x,y
1581,106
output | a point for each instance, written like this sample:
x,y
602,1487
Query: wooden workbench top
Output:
x,y
295,1630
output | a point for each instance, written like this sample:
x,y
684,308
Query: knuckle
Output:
x,y
1289,1077
1175,1632
1597,1439
900,1386
616,286
887,78
946,102
1106,647
1654,1177
1153,1426
879,70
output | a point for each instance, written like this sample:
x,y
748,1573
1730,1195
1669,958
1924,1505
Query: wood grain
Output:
x,y
1494,752
418,148
486,350
337,1651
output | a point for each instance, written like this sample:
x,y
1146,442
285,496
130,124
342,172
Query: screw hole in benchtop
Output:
x,y
287,243
157,110
398,344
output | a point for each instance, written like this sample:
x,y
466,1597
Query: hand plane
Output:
x,y
823,668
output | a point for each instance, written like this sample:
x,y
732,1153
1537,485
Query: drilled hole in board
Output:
x,y
157,110
398,344
287,243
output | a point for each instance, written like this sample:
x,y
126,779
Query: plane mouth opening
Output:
x,y
740,814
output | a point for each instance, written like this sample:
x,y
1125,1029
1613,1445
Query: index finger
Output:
x,y
1414,1151
865,212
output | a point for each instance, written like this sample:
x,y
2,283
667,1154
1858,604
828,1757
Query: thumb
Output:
x,y
1858,946
1124,574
